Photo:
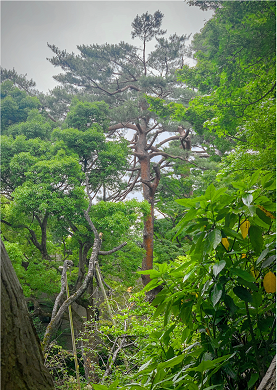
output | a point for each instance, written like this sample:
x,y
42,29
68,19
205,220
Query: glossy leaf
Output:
x,y
208,364
269,261
263,216
262,255
256,238
218,267
243,293
243,274
172,362
247,199
216,293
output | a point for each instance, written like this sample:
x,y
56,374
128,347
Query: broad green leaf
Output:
x,y
208,364
243,274
254,178
256,238
262,255
253,380
152,272
159,310
188,274
231,233
152,284
145,365
258,221
188,203
216,293
191,214
212,239
172,362
210,191
243,293
261,214
218,267
252,286
230,220
257,299
240,185
163,268
100,387
268,261
167,313
229,302
218,193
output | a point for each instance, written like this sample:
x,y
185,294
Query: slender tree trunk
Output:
x,y
22,365
149,190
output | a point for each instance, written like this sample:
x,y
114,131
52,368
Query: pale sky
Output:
x,y
27,26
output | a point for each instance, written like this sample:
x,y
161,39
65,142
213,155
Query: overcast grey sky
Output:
x,y
27,26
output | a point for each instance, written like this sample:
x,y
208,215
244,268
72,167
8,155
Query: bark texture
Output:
x,y
269,380
22,365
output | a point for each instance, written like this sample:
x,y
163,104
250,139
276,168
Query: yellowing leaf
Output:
x,y
243,255
244,227
267,213
254,272
225,243
270,282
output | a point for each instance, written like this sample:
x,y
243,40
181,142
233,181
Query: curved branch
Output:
x,y
123,126
112,250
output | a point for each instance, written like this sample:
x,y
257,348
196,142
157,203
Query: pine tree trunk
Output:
x,y
22,365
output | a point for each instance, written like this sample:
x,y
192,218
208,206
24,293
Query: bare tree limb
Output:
x,y
66,264
113,250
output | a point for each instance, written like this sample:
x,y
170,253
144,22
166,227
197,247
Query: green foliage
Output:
x,y
212,324
147,26
36,126
218,292
15,104
235,71
84,114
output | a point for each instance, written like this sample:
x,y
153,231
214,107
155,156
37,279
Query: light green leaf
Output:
x,y
210,191
262,255
100,387
208,364
218,267
253,380
216,293
172,362
257,299
269,261
154,283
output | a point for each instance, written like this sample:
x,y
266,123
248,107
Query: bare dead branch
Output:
x,y
66,264
112,250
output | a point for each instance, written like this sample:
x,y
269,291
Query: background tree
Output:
x,y
119,76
